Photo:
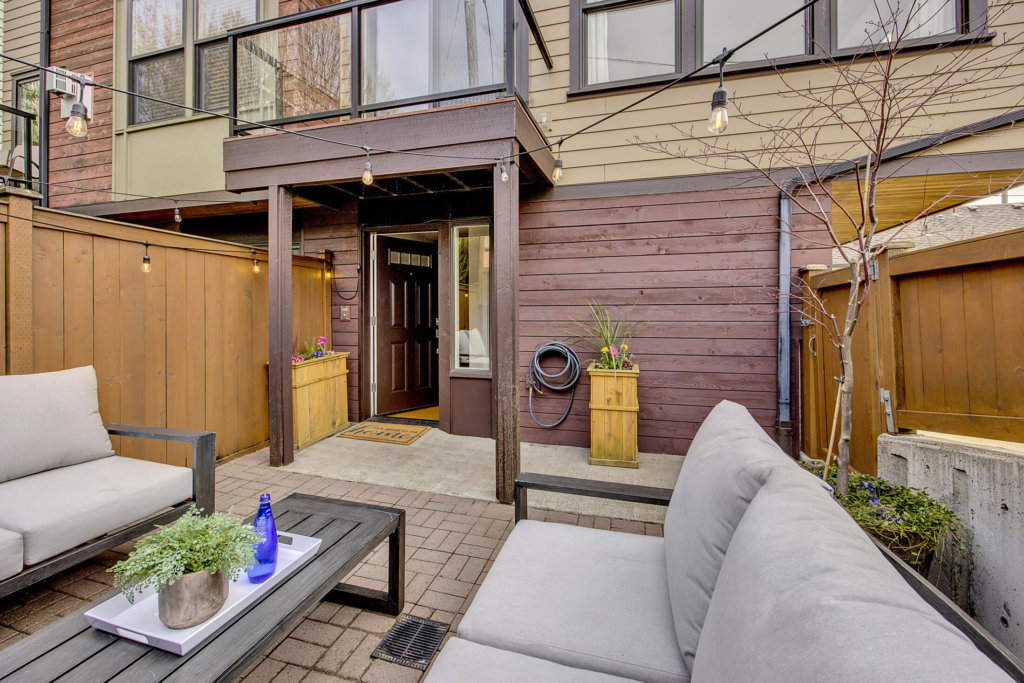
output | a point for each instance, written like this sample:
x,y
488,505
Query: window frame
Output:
x,y
972,17
189,48
17,80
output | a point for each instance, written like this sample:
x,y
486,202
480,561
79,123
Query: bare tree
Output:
x,y
860,118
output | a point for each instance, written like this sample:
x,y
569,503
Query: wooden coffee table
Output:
x,y
70,650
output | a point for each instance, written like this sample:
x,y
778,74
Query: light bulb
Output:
x,y
255,262
719,119
77,125
504,174
177,215
556,175
367,173
146,265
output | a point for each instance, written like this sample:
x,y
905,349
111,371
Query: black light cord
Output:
x,y
564,379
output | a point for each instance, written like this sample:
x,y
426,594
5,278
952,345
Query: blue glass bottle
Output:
x,y
266,549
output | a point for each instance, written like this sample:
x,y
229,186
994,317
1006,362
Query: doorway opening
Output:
x,y
404,326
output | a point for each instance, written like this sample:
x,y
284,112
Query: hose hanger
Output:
x,y
563,380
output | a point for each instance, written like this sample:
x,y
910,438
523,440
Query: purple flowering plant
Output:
x,y
313,350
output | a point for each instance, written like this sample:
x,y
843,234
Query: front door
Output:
x,y
406,324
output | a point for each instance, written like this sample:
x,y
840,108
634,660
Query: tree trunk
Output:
x,y
846,384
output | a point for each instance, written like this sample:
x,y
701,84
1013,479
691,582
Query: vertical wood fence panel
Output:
x,y
184,345
942,331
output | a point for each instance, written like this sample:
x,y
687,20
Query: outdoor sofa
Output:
x,y
760,576
64,495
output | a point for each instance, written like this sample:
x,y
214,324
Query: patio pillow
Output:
x,y
728,461
804,595
50,420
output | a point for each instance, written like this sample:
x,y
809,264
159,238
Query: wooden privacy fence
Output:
x,y
942,332
184,345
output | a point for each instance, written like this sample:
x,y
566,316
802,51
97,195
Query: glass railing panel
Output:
x,y
295,71
418,48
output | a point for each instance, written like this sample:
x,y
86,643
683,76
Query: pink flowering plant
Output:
x,y
608,336
317,350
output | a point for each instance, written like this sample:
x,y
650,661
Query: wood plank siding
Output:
x,y
701,267
82,39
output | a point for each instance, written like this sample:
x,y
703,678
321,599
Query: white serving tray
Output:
x,y
140,621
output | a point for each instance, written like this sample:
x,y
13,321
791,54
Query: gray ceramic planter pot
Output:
x,y
193,599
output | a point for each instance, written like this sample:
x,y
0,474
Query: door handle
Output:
x,y
810,346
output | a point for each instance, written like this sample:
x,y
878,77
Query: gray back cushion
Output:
x,y
805,596
50,420
727,463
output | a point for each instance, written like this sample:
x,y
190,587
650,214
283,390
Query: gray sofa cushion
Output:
x,y
10,553
50,419
462,661
62,508
581,597
727,463
804,590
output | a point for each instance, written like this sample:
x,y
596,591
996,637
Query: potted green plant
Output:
x,y
189,565
614,407
907,520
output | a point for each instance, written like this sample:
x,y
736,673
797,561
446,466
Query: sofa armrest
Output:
x,y
632,493
204,456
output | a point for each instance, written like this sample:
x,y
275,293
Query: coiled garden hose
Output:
x,y
563,380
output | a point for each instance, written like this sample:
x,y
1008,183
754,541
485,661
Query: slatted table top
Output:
x,y
70,650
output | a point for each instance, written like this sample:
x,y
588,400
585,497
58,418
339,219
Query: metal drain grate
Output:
x,y
411,641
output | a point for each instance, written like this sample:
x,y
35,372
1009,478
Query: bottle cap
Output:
x,y
264,497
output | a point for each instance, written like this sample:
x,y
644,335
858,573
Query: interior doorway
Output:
x,y
404,325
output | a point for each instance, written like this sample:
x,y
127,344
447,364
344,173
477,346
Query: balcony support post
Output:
x,y
505,359
279,323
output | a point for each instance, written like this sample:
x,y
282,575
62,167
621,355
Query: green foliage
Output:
x,y
316,350
219,543
608,336
907,520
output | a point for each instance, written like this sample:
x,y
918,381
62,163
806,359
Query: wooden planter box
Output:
x,y
319,398
613,415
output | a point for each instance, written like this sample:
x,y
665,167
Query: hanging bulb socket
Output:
x,y
77,126
719,119
367,169
146,264
177,214
558,173
255,262
504,173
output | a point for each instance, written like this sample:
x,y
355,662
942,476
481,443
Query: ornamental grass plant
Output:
x,y
609,337
907,520
220,542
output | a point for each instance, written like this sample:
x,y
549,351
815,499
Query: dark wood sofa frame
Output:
x,y
974,631
203,462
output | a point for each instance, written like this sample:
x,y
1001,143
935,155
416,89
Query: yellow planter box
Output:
x,y
319,397
613,415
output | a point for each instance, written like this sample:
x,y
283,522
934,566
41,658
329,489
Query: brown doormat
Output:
x,y
384,432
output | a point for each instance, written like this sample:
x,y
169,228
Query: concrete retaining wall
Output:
x,y
985,486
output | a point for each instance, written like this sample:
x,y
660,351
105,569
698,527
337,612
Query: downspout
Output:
x,y
44,104
784,424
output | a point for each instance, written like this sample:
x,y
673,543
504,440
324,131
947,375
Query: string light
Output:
x,y
177,213
255,262
504,173
146,265
719,119
367,169
557,174
77,126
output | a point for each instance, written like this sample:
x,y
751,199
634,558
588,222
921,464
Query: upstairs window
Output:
x,y
727,21
860,23
164,48
629,40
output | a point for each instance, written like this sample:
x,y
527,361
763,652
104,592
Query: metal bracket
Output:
x,y
886,399
873,269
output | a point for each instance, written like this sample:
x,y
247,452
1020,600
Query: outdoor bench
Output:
x,y
760,576
64,495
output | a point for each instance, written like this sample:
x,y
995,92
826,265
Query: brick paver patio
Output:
x,y
451,543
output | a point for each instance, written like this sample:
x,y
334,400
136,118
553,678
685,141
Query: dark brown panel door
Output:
x,y
406,324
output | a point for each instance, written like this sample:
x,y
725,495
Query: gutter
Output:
x,y
784,422
44,103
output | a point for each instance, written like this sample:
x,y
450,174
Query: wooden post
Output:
x,y
887,298
505,358
17,290
279,324
814,433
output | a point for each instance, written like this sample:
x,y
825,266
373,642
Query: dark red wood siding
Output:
x,y
701,267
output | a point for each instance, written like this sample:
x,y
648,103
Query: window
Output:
x,y
26,98
471,296
158,56
861,22
633,42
